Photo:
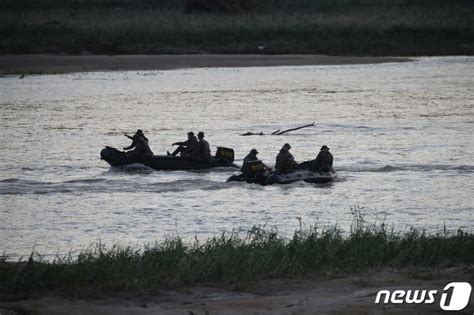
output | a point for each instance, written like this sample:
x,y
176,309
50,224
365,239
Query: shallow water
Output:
x,y
401,135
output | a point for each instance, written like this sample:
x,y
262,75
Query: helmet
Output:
x,y
287,146
254,151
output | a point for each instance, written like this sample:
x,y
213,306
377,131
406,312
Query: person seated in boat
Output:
x,y
324,160
252,156
285,162
204,151
187,148
140,146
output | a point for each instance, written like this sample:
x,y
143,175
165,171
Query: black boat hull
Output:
x,y
270,178
161,162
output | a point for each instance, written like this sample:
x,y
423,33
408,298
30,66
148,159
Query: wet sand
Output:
x,y
43,64
352,294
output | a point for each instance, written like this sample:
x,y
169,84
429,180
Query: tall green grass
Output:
x,y
229,259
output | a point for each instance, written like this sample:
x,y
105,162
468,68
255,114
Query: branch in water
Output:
x,y
277,132
292,129
253,134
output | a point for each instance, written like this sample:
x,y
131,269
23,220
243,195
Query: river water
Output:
x,y
401,135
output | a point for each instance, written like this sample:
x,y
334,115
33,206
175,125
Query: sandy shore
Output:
x,y
349,295
38,64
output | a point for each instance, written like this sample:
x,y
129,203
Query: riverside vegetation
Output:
x,y
233,259
342,27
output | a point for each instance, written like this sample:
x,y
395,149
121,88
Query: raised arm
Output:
x,y
126,135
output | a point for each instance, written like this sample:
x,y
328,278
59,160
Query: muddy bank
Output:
x,y
43,64
354,294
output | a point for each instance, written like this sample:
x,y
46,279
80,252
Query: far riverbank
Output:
x,y
46,64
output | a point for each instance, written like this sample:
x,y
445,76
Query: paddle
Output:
x,y
126,135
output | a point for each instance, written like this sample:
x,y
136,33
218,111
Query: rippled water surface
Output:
x,y
401,135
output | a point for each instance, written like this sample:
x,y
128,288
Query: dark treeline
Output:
x,y
90,4
332,27
228,6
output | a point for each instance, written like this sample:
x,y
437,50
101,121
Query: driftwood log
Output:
x,y
277,132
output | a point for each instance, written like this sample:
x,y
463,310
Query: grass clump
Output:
x,y
258,255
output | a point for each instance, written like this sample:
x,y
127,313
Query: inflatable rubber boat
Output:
x,y
224,158
254,172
